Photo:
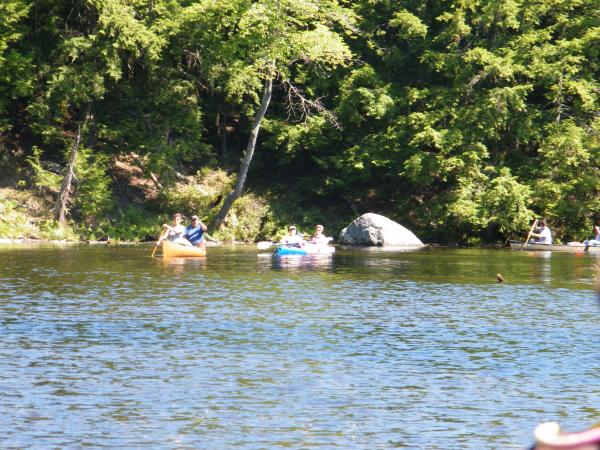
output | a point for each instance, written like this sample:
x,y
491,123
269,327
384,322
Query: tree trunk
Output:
x,y
241,180
154,179
559,98
60,208
224,138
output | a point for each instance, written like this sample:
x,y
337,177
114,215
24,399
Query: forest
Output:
x,y
460,120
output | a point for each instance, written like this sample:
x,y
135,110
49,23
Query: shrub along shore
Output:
x,y
27,213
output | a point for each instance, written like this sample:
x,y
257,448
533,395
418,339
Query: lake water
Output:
x,y
104,347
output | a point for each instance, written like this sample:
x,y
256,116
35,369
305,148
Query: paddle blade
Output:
x,y
263,245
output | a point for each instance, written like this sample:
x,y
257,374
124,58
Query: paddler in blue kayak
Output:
x,y
292,239
319,238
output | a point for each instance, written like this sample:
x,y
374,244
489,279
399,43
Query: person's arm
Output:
x,y
537,233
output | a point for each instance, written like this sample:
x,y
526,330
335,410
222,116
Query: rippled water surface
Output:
x,y
106,347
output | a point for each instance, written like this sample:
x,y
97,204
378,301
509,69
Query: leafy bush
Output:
x,y
13,223
197,196
50,229
133,223
245,220
506,202
42,178
26,215
94,196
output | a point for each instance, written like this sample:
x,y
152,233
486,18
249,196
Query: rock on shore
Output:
x,y
376,230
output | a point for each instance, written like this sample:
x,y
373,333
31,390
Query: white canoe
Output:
x,y
572,248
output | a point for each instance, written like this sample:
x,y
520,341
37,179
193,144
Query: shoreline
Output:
x,y
64,241
213,244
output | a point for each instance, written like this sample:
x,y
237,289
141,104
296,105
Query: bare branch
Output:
x,y
300,108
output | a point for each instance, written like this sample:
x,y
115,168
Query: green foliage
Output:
x,y
245,220
15,62
42,178
486,90
364,98
50,229
198,195
572,201
485,203
462,120
132,223
272,39
13,221
409,26
202,194
24,214
94,196
505,203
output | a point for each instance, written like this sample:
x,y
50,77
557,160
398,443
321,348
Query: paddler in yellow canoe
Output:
x,y
194,232
176,231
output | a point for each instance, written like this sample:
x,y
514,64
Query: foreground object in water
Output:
x,y
549,436
307,249
173,250
575,248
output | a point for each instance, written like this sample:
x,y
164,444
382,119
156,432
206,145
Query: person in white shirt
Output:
x,y
292,239
176,231
543,235
319,238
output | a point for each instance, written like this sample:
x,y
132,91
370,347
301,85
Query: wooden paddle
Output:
x,y
163,234
529,235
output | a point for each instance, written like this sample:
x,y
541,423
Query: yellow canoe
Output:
x,y
173,250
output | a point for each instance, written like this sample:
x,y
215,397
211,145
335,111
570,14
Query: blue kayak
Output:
x,y
307,249
286,250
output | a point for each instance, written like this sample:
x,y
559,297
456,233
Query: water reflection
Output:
x,y
387,249
269,261
306,262
199,262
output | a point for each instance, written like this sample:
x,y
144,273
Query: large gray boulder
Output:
x,y
375,230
